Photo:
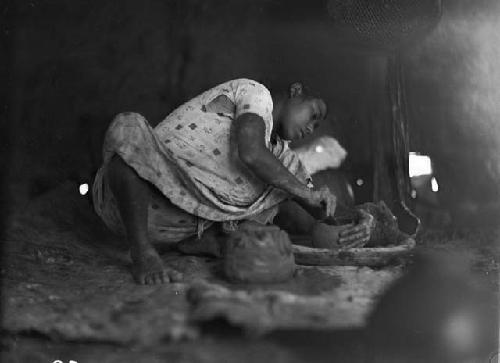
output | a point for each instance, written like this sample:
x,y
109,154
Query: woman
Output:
x,y
222,157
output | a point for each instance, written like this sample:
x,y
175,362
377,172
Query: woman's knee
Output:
x,y
125,124
118,170
129,118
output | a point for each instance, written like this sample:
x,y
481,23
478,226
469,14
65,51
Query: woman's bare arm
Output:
x,y
250,137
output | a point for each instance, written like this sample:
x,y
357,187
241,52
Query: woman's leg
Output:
x,y
211,243
133,194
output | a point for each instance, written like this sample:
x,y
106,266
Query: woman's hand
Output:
x,y
319,203
357,235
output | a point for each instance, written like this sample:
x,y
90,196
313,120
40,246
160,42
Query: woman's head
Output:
x,y
300,113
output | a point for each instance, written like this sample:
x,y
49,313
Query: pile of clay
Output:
x,y
385,231
258,254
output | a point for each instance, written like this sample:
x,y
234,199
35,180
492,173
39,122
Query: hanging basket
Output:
x,y
386,23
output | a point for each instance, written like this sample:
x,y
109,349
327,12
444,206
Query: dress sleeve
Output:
x,y
253,97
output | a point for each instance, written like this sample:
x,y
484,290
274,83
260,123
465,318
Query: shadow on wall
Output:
x,y
453,79
76,65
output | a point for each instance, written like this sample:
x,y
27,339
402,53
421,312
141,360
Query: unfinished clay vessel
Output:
x,y
326,236
259,254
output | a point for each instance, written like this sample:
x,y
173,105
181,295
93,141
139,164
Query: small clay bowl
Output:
x,y
326,235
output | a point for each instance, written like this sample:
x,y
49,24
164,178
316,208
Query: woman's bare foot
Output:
x,y
148,268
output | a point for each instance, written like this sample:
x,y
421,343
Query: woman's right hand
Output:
x,y
320,203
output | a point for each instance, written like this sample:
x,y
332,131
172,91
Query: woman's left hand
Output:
x,y
358,235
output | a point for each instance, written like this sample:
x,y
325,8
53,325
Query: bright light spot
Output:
x,y
461,332
360,182
319,149
434,185
84,189
349,190
413,193
419,165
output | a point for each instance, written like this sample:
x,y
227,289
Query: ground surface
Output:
x,y
68,294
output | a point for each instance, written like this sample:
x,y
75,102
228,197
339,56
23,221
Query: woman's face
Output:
x,y
301,117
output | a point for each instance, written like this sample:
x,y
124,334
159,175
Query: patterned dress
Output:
x,y
192,159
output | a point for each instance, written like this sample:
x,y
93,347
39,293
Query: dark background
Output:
x,y
69,66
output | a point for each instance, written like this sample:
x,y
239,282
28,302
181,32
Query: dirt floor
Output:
x,y
68,294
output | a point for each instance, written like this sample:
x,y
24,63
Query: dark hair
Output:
x,y
277,87
307,93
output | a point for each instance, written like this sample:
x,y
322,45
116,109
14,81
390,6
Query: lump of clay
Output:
x,y
385,229
259,254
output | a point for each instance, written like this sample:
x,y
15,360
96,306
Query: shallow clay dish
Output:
x,y
371,256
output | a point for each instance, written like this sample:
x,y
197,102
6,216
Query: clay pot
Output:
x,y
326,236
259,254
